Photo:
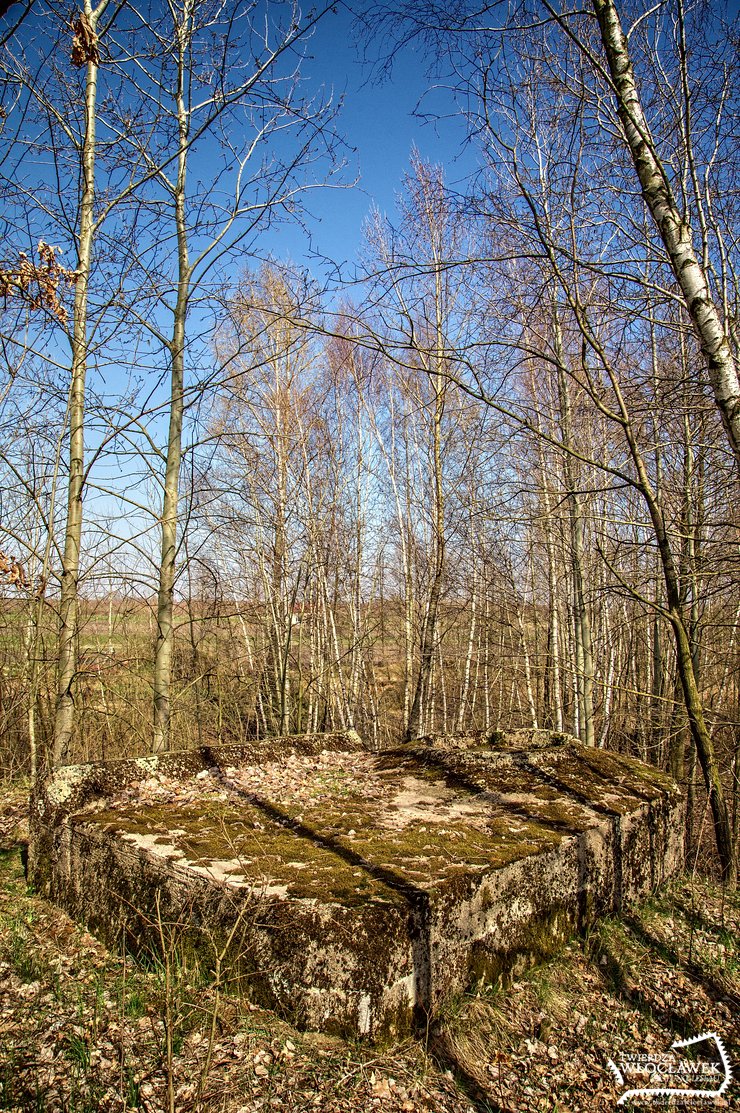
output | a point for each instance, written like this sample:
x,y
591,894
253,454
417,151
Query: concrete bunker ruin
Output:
x,y
354,891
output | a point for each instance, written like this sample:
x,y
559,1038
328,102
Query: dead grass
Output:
x,y
83,1030
665,971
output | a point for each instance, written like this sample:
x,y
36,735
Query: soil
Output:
x,y
82,1029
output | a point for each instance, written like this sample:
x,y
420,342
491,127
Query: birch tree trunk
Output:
x,y
389,454
429,628
435,367
531,705
686,661
64,717
582,622
552,693
167,568
675,232
472,631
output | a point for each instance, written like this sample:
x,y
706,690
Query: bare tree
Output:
x,y
428,300
674,225
216,74
540,101
85,55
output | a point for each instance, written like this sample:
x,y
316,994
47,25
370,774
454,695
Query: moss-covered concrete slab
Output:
x,y
354,891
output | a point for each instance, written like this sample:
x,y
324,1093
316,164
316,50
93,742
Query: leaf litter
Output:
x,y
82,1029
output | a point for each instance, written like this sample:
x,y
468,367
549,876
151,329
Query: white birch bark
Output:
x,y
472,628
675,231
168,560
64,716
582,620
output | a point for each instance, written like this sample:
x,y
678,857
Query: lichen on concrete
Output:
x,y
366,887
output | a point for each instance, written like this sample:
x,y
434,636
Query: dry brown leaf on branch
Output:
x,y
13,572
84,42
37,284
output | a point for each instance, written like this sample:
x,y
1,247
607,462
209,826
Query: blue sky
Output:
x,y
378,121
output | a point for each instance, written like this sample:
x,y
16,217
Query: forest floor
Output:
x,y
82,1029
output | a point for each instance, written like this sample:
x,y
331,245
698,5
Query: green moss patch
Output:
x,y
326,854
378,827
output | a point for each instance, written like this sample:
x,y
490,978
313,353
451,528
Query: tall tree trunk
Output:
x,y
487,660
553,715
408,551
472,629
531,705
582,620
675,232
658,671
64,717
358,625
686,665
429,627
705,751
168,561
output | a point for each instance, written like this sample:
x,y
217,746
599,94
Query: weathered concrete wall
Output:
x,y
357,891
